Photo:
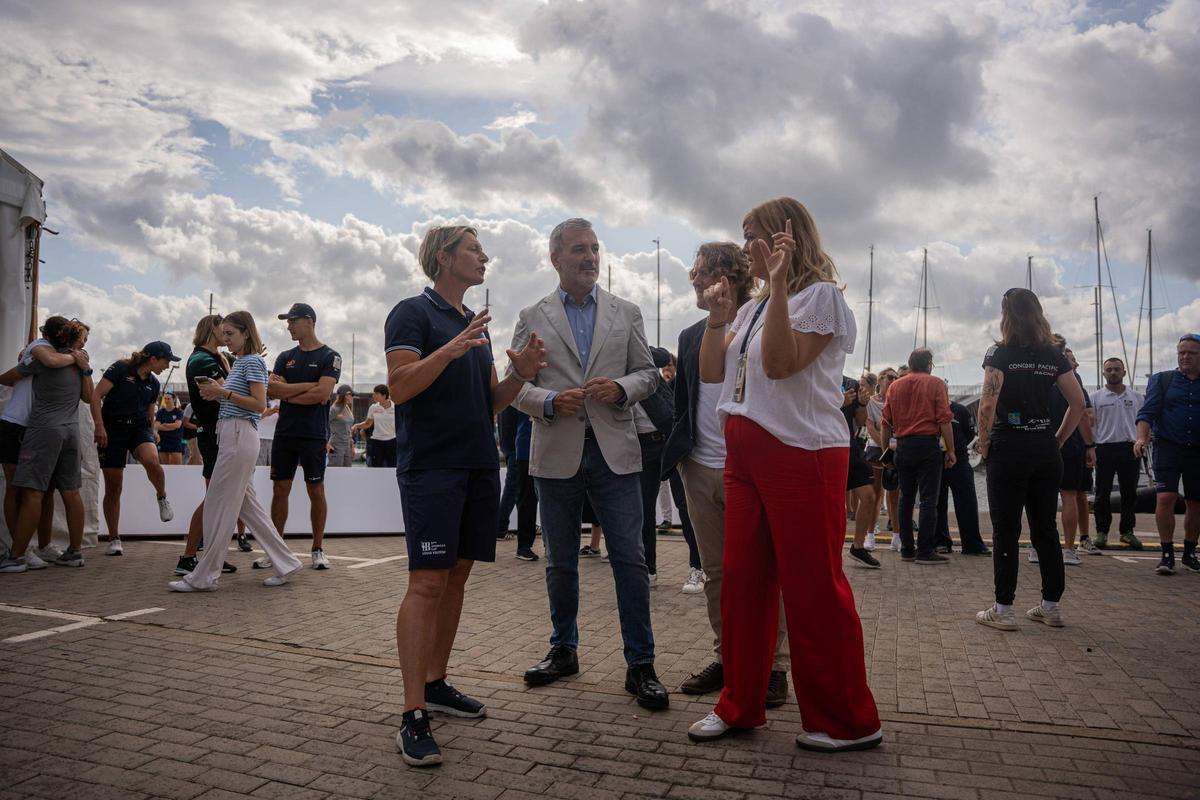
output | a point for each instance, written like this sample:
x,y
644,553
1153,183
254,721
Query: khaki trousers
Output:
x,y
705,491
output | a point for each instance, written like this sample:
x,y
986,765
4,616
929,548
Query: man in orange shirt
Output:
x,y
917,413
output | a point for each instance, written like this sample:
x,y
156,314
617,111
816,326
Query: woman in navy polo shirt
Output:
x,y
168,421
123,410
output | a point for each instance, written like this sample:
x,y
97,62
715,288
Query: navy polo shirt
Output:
x,y
301,420
449,425
1175,414
130,396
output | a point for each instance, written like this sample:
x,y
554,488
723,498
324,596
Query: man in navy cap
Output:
x,y
302,380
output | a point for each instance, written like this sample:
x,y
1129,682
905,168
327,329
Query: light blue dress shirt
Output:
x,y
582,319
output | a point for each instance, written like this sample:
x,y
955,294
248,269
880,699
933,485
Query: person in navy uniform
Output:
x,y
303,380
123,409
443,381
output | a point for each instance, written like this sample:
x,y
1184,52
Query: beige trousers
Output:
x,y
705,491
230,496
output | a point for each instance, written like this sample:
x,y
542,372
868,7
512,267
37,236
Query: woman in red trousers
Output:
x,y
780,361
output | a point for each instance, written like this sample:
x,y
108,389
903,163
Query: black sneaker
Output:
x,y
587,551
944,549
908,555
525,554
185,565
1191,562
864,558
443,698
244,543
415,740
932,558
777,688
1167,565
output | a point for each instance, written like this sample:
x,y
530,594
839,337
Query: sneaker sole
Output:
x,y
1047,621
1164,570
71,564
869,744
1000,626
182,572
864,564
455,712
700,738
413,761
546,681
689,590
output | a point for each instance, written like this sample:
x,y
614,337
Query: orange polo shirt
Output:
x,y
917,405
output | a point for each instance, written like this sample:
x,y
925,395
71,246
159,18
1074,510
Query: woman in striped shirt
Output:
x,y
230,493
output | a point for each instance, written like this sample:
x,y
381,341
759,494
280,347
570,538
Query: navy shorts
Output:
x,y
288,452
11,435
1075,473
123,439
449,514
859,472
1173,463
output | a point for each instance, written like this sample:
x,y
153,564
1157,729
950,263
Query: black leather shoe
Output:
x,y
558,663
777,689
643,682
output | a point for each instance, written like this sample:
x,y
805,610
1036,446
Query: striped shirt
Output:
x,y
246,370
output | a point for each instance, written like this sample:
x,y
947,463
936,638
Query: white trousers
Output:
x,y
231,495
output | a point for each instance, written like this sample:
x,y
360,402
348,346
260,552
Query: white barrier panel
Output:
x,y
360,499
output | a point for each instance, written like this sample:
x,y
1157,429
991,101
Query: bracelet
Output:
x,y
712,327
229,395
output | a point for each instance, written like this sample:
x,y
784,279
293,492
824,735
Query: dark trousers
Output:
x,y
652,448
689,534
919,463
1023,476
512,487
960,480
1116,458
381,453
527,505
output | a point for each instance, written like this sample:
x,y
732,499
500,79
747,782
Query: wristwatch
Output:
x,y
85,372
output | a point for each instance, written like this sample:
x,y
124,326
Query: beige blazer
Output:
x,y
619,352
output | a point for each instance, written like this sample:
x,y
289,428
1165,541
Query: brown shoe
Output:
x,y
709,679
777,689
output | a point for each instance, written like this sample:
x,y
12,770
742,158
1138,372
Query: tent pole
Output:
x,y
33,311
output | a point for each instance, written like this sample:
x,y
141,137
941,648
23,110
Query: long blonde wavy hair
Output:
x,y
810,263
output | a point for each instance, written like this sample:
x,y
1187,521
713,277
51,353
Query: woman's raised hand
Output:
x,y
719,300
471,337
775,259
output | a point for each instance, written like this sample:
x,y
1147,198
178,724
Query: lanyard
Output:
x,y
739,381
750,328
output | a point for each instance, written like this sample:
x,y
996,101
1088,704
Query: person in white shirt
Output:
x,y
381,422
266,433
1116,407
787,444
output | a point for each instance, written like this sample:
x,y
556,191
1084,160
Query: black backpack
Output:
x,y
660,406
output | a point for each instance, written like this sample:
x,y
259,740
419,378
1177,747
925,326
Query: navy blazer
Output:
x,y
687,395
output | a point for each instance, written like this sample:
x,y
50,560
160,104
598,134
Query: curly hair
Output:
x,y
727,260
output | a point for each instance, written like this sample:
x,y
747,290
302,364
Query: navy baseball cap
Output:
x,y
300,311
158,349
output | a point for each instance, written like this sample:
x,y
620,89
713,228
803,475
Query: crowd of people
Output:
x,y
769,445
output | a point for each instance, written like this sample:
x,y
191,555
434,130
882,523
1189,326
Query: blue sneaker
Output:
x,y
443,698
415,740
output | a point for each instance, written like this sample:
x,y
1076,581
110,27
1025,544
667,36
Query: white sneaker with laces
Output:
x,y
114,548
1071,558
1033,556
1040,613
653,579
994,619
184,586
1089,547
709,728
32,561
895,543
276,580
165,512
262,563
319,561
48,553
695,581
869,544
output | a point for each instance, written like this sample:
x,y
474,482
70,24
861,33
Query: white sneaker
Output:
x,y
165,513
1071,557
1040,613
32,561
276,580
895,543
824,743
869,544
709,728
48,553
1089,547
1033,556
114,548
184,586
994,619
262,563
319,561
695,581
653,579
13,565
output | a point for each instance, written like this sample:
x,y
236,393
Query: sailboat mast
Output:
x,y
870,305
1150,299
1029,273
1099,299
925,297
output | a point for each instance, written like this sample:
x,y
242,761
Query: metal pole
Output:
x,y
870,304
658,290
353,344
1150,301
210,303
610,276
1029,273
1099,299
925,297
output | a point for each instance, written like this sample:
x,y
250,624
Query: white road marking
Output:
x,y
128,614
377,561
77,620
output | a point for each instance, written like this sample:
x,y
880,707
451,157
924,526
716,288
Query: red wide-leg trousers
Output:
x,y
784,527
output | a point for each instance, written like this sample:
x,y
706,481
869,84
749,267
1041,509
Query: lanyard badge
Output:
x,y
739,378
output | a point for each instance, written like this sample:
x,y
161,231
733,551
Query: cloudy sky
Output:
x,y
269,157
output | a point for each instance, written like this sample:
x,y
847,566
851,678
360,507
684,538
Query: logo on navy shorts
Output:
x,y
433,548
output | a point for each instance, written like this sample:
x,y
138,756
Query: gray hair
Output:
x,y
556,235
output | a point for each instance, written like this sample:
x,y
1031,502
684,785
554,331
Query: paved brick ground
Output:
x,y
292,693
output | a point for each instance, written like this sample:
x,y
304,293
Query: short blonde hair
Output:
x,y
810,263
440,239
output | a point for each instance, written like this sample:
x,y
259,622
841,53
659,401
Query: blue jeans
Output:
x,y
617,502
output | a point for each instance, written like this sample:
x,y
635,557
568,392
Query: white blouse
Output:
x,y
803,410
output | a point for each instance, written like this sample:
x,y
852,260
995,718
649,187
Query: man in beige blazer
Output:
x,y
585,443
